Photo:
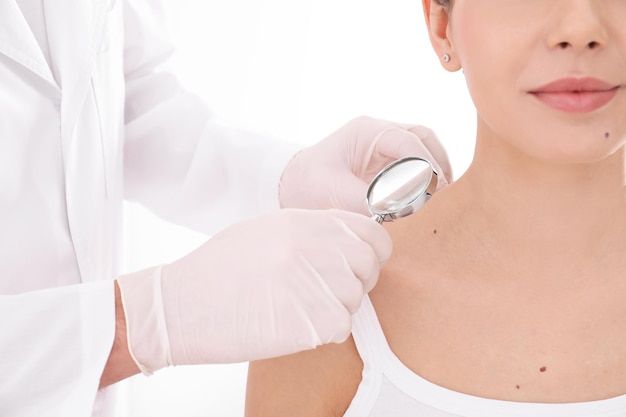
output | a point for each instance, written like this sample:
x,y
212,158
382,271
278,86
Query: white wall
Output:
x,y
297,70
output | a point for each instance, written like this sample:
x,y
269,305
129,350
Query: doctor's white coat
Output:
x,y
97,124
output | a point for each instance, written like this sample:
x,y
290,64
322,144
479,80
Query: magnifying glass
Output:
x,y
401,188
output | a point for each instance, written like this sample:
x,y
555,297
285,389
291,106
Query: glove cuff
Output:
x,y
148,340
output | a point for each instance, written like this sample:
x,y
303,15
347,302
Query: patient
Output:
x,y
506,292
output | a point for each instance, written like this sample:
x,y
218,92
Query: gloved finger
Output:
x,y
334,329
343,328
352,262
396,143
356,269
369,231
348,284
328,300
389,144
436,149
350,194
365,265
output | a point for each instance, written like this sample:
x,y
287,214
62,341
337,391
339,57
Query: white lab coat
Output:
x,y
97,124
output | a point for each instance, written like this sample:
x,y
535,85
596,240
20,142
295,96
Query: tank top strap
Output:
x,y
371,344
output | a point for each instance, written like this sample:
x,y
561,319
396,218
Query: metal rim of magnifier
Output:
x,y
412,205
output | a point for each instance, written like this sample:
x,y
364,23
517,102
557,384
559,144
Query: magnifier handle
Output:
x,y
378,218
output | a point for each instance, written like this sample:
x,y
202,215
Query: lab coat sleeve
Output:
x,y
179,160
54,344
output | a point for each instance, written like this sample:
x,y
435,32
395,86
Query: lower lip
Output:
x,y
571,102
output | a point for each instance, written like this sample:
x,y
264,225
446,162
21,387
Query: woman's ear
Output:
x,y
437,19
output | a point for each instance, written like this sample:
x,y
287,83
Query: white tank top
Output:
x,y
390,389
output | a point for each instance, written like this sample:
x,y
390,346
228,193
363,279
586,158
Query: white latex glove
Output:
x,y
274,285
336,171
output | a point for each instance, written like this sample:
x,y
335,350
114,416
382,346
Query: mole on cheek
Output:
x,y
607,135
542,369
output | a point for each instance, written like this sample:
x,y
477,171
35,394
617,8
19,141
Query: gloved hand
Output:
x,y
336,171
270,286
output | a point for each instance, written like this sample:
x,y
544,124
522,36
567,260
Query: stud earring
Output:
x,y
446,58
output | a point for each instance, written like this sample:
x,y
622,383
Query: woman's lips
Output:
x,y
576,95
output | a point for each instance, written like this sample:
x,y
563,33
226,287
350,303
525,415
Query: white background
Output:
x,y
296,70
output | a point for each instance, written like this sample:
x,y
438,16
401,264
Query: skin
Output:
x,y
527,303
120,364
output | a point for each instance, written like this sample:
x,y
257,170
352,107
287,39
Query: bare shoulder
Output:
x,y
319,382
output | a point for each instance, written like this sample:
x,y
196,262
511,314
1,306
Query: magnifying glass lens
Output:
x,y
401,188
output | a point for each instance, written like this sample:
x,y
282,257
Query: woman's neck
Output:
x,y
519,205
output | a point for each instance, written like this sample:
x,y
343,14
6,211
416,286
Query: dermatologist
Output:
x,y
88,119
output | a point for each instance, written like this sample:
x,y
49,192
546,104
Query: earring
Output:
x,y
446,58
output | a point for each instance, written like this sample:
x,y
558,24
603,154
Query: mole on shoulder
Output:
x,y
435,232
607,135
543,369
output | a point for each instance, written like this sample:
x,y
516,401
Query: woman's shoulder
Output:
x,y
319,382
